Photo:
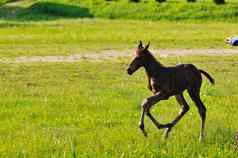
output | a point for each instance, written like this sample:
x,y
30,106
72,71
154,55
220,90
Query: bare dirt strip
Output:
x,y
112,54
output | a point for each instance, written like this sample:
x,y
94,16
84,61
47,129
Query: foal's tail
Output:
x,y
208,76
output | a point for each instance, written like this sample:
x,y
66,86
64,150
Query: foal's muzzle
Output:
x,y
129,71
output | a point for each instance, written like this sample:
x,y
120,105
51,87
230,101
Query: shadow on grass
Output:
x,y
43,11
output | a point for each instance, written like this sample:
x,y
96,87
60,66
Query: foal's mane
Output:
x,y
152,58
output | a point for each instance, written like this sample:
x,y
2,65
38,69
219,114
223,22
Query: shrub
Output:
x,y
57,9
160,1
134,1
191,0
219,1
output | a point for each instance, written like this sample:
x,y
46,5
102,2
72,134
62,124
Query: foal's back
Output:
x,y
176,79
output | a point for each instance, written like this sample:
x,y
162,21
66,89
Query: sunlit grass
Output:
x,y
65,37
171,10
90,109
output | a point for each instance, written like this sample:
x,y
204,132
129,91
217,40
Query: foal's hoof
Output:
x,y
142,127
144,133
166,133
167,130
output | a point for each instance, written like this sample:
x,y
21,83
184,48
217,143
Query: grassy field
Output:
x,y
65,37
53,28
90,109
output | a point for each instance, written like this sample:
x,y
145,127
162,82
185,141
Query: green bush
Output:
x,y
219,1
191,0
160,1
134,1
57,9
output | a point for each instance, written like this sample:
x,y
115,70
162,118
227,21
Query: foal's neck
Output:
x,y
152,66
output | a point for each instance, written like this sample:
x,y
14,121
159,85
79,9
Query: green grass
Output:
x,y
65,37
171,11
42,28
92,110
147,10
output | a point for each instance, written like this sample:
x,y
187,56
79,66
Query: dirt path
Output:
x,y
112,54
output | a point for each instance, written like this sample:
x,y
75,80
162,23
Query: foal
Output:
x,y
165,82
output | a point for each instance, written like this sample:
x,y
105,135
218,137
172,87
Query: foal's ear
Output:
x,y
140,45
147,46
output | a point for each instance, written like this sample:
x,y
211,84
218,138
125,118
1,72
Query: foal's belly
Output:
x,y
171,87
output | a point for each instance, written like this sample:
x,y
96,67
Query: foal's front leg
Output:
x,y
146,105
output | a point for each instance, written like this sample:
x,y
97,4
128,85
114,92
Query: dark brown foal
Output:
x,y
165,82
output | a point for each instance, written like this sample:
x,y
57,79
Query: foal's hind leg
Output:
x,y
202,110
146,105
184,108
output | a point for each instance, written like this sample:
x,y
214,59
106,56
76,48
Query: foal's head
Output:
x,y
140,58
